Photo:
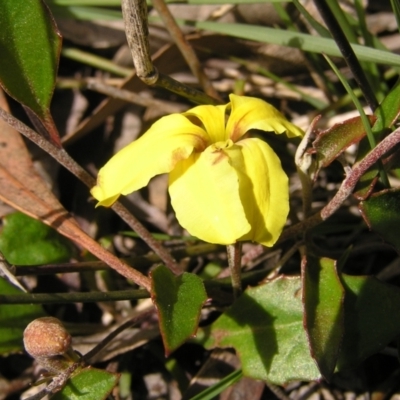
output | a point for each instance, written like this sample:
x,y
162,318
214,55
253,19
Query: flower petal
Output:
x,y
169,140
264,192
213,120
204,192
252,113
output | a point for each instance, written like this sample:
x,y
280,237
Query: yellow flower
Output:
x,y
223,187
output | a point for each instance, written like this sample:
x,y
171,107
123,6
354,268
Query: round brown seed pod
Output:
x,y
46,337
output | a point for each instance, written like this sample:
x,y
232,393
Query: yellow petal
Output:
x,y
252,113
213,120
169,140
204,192
264,192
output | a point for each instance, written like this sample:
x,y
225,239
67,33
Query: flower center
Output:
x,y
217,151
219,146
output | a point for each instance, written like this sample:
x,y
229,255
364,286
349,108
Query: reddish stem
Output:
x,y
346,188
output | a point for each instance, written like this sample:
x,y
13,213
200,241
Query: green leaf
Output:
x,y
85,13
265,326
26,241
88,384
388,111
381,212
396,10
305,42
179,300
14,319
371,318
323,296
332,142
29,46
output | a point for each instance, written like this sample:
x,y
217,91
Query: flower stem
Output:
x,y
234,252
303,162
185,48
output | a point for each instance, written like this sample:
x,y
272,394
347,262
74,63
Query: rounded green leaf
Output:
x,y
265,326
381,212
26,241
29,46
88,384
179,300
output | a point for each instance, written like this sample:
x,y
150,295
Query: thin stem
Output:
x,y
174,86
286,257
277,391
64,298
234,252
141,262
154,244
45,126
132,97
185,48
303,162
95,61
7,271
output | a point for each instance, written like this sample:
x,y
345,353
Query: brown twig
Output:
x,y
134,13
132,97
65,298
185,48
154,244
166,82
141,262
